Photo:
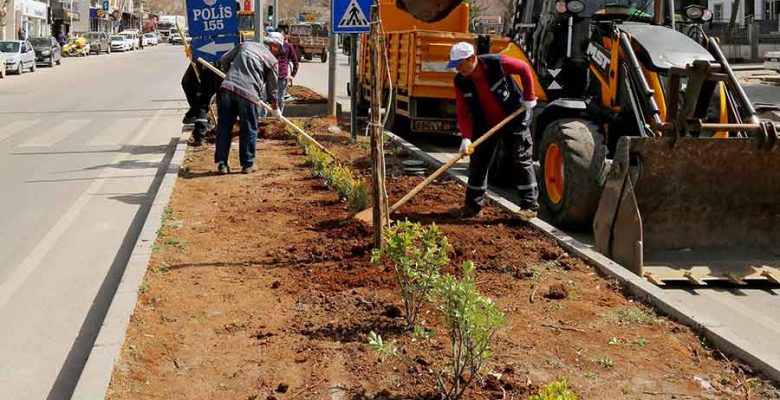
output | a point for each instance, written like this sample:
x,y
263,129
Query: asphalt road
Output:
x,y
82,150
314,74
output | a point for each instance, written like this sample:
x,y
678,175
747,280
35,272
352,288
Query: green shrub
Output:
x,y
359,197
417,253
558,390
471,320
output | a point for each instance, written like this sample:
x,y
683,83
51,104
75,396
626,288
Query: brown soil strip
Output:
x,y
261,288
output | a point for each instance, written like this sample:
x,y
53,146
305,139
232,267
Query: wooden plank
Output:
x,y
771,276
654,279
733,278
692,278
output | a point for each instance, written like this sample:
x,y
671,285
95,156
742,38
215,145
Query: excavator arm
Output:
x,y
428,10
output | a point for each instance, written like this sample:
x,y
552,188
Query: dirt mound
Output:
x,y
303,94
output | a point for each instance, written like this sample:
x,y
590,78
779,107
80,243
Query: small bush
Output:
x,y
337,176
359,197
417,253
558,390
471,320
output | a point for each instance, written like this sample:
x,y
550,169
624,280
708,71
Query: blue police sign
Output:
x,y
212,17
350,16
105,6
213,48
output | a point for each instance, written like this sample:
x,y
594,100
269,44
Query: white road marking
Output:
x,y
16,127
116,133
31,261
57,133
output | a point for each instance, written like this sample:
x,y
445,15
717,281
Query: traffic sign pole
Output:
x,y
332,73
353,50
258,21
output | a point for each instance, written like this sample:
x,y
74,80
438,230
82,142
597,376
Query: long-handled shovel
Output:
x,y
367,214
263,104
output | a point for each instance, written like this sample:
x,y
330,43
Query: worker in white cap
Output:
x,y
251,70
485,94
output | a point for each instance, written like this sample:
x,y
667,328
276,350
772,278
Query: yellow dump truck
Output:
x,y
423,93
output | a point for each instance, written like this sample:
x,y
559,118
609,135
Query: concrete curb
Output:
x,y
96,376
723,337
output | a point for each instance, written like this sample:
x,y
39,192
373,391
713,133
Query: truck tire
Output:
x,y
573,157
299,53
307,56
324,56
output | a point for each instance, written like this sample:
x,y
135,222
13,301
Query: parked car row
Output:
x,y
17,56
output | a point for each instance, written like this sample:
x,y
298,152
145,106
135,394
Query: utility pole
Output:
x,y
258,21
332,72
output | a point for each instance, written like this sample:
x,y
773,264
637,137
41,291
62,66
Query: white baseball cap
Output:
x,y
459,52
274,38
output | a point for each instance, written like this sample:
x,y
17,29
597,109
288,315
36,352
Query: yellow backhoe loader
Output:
x,y
645,135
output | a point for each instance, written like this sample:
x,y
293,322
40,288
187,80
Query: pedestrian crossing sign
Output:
x,y
350,16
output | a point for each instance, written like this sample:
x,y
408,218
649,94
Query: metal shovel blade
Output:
x,y
693,210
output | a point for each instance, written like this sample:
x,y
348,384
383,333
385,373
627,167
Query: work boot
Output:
x,y
189,116
195,142
248,170
223,169
527,213
464,212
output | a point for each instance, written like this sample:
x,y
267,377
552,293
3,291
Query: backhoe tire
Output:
x,y
573,158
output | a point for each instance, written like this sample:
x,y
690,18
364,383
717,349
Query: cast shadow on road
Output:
x,y
90,178
135,199
69,374
129,149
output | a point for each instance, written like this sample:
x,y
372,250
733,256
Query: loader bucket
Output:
x,y
694,210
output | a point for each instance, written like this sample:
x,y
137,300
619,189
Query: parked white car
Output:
x,y
772,60
150,39
120,43
176,37
133,36
19,55
2,65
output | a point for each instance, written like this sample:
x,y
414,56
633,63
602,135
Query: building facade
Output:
x,y
26,18
765,12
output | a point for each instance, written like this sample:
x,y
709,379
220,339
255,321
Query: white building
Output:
x,y
766,11
31,16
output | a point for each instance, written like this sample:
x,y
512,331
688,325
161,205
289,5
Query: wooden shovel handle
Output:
x,y
267,107
453,161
